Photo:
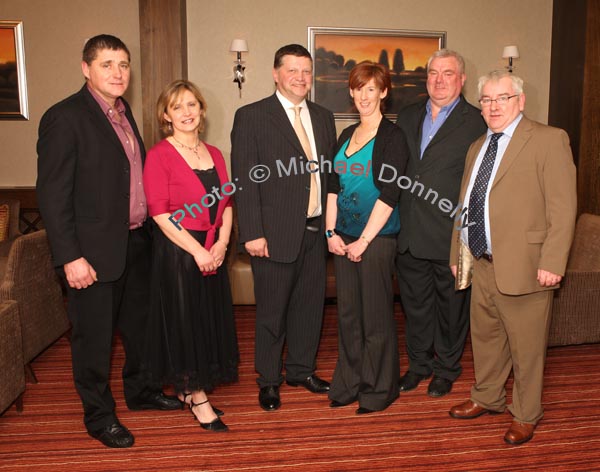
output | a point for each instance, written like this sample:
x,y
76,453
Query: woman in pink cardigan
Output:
x,y
191,339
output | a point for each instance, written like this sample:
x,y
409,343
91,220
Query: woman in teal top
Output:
x,y
362,223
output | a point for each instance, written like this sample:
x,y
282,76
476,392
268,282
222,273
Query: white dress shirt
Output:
x,y
307,123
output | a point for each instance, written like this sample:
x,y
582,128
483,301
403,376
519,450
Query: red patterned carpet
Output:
x,y
414,434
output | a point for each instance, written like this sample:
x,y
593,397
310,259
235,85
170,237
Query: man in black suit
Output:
x,y
91,197
281,221
439,131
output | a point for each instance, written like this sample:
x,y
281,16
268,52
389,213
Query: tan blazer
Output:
x,y
533,206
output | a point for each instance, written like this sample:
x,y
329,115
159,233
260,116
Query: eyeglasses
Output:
x,y
502,100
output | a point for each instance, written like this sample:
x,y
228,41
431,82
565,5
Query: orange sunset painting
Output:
x,y
9,87
405,56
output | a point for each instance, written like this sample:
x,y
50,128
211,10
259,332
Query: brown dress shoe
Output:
x,y
469,410
519,433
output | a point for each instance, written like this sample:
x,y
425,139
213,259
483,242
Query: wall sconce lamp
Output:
x,y
510,53
239,46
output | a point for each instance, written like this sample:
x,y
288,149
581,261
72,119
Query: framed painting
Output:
x,y
336,51
13,84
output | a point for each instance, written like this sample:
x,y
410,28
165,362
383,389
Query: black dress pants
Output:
x,y
367,369
289,307
94,313
437,316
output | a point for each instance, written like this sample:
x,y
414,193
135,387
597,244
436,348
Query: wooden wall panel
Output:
x,y
588,172
575,91
163,44
567,68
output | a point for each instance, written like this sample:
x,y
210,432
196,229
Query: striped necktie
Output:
x,y
313,199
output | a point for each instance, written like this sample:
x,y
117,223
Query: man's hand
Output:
x,y
547,279
257,247
453,269
80,274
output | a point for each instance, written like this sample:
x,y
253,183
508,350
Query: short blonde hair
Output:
x,y
169,95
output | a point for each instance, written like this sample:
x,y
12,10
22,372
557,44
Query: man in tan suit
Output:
x,y
520,196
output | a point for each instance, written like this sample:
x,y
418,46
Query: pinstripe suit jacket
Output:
x,y
275,209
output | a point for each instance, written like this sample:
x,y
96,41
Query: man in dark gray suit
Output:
x,y
439,131
281,221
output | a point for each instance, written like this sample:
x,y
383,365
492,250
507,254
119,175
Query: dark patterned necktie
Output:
x,y
476,208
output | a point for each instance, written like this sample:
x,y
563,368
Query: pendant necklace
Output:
x,y
194,149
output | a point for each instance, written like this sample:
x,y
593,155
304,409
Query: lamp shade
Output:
x,y
239,45
510,51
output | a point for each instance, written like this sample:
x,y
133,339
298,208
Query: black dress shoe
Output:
x,y
268,398
155,401
336,404
185,403
410,381
113,435
438,387
364,411
313,384
216,426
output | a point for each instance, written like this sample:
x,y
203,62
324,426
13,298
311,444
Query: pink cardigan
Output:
x,y
170,185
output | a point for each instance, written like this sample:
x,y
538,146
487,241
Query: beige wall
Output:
x,y
55,31
479,29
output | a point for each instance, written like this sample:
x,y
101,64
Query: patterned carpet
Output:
x,y
414,434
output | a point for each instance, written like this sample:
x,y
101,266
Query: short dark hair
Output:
x,y
102,41
290,50
363,72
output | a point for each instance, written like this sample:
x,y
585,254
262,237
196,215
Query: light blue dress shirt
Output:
x,y
502,145
430,127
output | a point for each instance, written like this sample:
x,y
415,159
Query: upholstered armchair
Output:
x,y
576,306
13,230
31,280
12,375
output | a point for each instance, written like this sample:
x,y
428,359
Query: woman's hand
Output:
x,y
218,251
356,249
205,261
336,245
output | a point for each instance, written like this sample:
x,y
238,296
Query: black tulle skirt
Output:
x,y
191,340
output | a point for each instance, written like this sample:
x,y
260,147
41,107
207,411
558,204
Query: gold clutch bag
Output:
x,y
464,270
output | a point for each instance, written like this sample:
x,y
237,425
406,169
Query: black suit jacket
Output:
x,y
424,228
83,184
275,209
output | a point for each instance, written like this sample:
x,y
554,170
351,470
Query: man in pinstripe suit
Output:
x,y
281,221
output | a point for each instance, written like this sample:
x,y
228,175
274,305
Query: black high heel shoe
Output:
x,y
215,425
185,403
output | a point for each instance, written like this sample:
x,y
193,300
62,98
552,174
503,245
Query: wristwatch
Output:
x,y
330,233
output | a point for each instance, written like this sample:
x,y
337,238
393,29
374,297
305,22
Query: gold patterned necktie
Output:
x,y
313,199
